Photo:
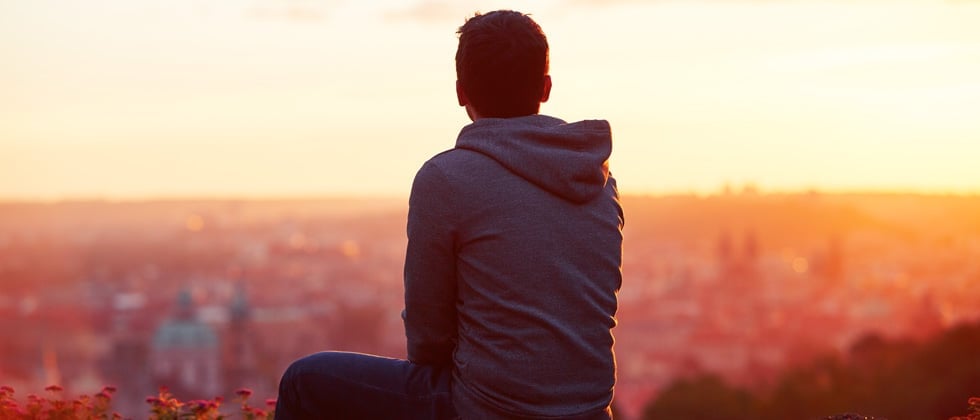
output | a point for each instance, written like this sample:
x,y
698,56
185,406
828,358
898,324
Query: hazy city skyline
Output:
x,y
743,286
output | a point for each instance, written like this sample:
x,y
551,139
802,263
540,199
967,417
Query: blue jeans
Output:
x,y
340,385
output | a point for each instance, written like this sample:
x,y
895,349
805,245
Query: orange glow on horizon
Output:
x,y
194,223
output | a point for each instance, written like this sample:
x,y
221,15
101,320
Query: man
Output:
x,y
513,262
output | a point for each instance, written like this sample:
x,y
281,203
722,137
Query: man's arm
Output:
x,y
430,270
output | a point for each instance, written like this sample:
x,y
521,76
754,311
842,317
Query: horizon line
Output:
x,y
747,190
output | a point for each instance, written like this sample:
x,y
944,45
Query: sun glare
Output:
x,y
789,95
194,223
800,265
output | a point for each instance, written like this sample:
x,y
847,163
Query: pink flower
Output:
x,y
54,388
200,406
270,402
244,392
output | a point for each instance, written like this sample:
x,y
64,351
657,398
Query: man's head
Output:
x,y
502,65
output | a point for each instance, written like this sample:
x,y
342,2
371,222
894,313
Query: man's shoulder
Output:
x,y
456,153
456,159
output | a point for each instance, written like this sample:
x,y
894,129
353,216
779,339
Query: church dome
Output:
x,y
184,333
184,330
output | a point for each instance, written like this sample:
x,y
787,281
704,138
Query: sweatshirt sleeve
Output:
x,y
430,270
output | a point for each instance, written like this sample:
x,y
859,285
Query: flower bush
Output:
x,y
163,406
974,404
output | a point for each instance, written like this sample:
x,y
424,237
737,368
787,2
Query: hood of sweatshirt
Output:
x,y
568,160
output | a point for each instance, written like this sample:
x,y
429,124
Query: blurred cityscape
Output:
x,y
209,296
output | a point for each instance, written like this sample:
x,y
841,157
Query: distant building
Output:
x,y
185,354
738,268
239,354
125,365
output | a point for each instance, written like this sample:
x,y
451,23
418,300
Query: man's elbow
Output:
x,y
432,355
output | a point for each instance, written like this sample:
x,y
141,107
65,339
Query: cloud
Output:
x,y
884,56
608,3
456,12
299,11
434,11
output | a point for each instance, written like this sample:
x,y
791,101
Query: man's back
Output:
x,y
513,262
535,227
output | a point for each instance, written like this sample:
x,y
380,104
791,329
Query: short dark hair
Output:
x,y
501,63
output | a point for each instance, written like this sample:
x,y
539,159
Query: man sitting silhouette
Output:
x,y
513,262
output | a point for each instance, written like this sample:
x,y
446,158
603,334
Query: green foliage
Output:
x,y
704,398
974,404
888,379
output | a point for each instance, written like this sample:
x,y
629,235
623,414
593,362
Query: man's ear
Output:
x,y
460,95
546,92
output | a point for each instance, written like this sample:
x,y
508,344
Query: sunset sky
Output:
x,y
124,99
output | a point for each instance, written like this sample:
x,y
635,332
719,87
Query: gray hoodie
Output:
x,y
513,265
